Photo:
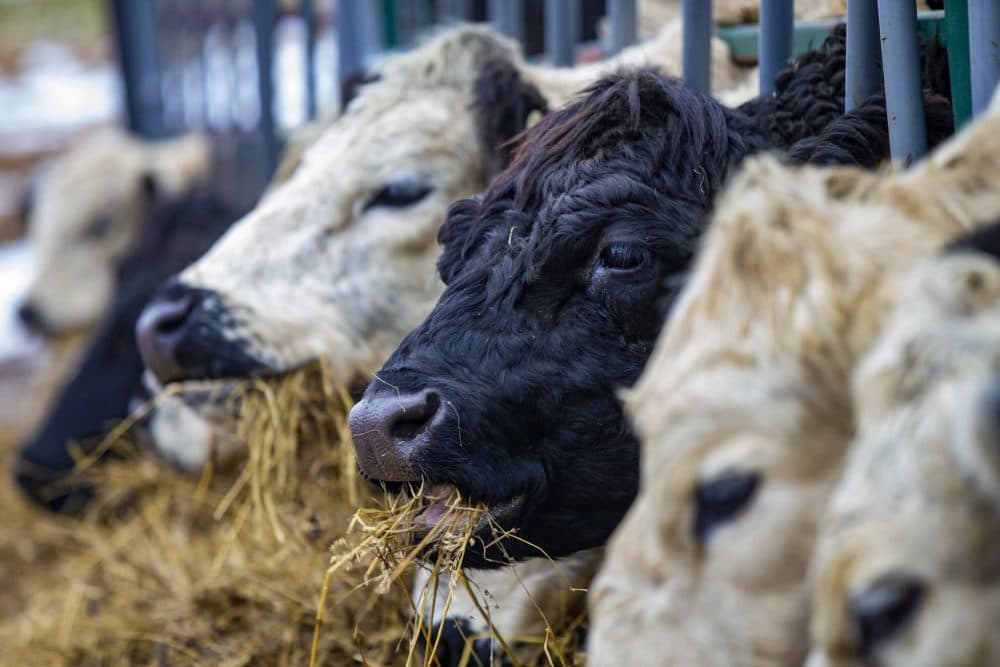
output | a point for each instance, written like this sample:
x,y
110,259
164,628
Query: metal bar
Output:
x,y
904,100
350,39
956,32
308,11
864,75
265,15
456,10
560,32
623,23
697,59
138,59
777,23
984,51
508,17
390,23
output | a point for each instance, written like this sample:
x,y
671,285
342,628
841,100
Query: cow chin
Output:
x,y
544,497
523,525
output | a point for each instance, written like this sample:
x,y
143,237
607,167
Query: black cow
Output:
x,y
558,281
174,234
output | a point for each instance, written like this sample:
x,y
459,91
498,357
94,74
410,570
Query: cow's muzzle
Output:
x,y
390,429
183,334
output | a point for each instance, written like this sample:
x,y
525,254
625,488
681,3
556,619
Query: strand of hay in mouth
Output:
x,y
222,569
386,541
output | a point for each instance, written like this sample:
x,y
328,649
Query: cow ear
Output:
x,y
503,102
350,87
456,238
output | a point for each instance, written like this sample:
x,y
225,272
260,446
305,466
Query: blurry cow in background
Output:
x,y
745,410
172,234
907,571
86,214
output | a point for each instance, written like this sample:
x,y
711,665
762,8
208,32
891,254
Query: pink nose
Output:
x,y
390,429
159,332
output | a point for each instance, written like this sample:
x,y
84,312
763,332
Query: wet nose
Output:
x,y
390,429
161,329
31,317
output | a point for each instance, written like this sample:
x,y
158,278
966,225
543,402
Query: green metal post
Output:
x,y
956,22
390,23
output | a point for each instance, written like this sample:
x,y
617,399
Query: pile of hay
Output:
x,y
226,569
432,529
234,568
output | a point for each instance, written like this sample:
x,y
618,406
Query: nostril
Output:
x,y
167,317
413,420
31,317
391,431
885,609
160,331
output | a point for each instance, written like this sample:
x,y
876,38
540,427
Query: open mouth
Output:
x,y
439,510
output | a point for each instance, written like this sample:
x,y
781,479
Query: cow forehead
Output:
x,y
409,125
318,212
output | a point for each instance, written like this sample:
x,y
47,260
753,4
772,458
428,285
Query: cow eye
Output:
x,y
623,256
722,498
885,609
399,194
98,228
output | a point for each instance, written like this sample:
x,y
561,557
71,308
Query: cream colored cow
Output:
x,y
907,567
85,215
745,410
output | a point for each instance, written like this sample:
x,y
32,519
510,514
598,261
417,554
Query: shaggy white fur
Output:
x,y
906,569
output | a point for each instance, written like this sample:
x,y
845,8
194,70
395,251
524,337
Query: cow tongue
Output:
x,y
440,497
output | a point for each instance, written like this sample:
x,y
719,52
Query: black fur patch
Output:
x,y
985,240
861,137
503,103
559,279
351,86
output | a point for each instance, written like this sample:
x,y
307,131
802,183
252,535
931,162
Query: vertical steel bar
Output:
x,y
308,11
457,10
265,15
863,76
624,23
560,31
390,23
697,59
904,100
984,51
956,25
508,17
139,61
350,38
774,48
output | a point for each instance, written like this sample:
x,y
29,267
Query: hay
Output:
x,y
222,570
387,541
228,569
